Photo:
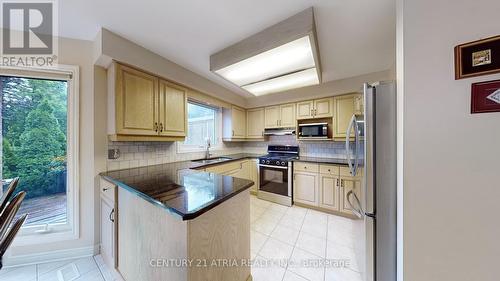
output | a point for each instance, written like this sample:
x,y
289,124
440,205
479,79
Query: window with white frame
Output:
x,y
203,123
39,117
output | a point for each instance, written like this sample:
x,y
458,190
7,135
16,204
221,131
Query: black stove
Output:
x,y
279,155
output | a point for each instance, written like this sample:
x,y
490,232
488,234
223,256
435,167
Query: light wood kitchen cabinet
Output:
x,y
347,184
287,115
173,110
234,123
305,109
359,105
323,108
344,109
244,169
272,116
136,100
329,192
325,186
108,220
255,123
143,107
320,108
306,189
280,116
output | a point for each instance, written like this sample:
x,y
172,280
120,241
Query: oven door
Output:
x,y
275,179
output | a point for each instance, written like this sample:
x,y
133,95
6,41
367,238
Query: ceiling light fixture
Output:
x,y
279,58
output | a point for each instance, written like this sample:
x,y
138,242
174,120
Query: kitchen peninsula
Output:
x,y
172,222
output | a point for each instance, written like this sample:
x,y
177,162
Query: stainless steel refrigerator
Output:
x,y
371,148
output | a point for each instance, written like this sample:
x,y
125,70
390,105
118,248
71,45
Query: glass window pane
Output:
x,y
34,134
201,125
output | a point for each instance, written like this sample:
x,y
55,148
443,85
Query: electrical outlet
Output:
x,y
113,153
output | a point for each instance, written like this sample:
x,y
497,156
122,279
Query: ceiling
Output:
x,y
355,36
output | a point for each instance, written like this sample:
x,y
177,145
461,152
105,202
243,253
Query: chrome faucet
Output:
x,y
207,152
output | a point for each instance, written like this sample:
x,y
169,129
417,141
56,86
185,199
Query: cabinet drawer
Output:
x,y
107,190
329,169
345,172
306,167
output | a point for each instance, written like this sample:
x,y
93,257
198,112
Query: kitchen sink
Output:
x,y
211,160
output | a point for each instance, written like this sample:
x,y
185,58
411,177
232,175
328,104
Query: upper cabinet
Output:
x,y
287,115
172,112
234,123
136,102
305,109
142,107
280,116
272,116
345,107
320,108
323,108
255,123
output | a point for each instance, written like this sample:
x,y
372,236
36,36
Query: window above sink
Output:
x,y
204,122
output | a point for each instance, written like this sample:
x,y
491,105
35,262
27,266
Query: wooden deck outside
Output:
x,y
43,210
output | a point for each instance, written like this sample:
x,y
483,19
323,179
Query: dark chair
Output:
x,y
8,210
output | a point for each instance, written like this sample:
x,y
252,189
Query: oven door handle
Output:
x,y
276,167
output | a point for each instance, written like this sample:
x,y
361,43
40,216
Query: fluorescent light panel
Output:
x,y
299,79
291,57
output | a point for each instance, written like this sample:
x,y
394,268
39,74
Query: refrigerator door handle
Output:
x,y
358,212
357,147
347,142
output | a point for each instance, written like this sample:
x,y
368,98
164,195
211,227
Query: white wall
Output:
x,y
451,158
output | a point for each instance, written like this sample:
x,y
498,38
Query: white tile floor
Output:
x,y
83,269
304,237
287,244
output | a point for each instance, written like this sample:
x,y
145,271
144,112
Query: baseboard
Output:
x,y
59,255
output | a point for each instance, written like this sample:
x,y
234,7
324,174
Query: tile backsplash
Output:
x,y
139,154
327,149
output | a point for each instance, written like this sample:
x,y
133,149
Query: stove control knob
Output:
x,y
283,163
277,162
263,161
267,161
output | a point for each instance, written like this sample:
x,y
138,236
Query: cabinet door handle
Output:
x,y
233,133
338,184
161,127
104,189
156,126
342,183
111,215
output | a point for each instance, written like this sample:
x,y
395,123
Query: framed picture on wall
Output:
x,y
477,58
485,97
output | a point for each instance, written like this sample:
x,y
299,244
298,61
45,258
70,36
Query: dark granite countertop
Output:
x,y
179,188
337,161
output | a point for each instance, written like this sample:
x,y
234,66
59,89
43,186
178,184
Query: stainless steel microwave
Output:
x,y
313,130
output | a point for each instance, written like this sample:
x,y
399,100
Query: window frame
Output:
x,y
40,234
189,148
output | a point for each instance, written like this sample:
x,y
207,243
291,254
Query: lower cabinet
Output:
x,y
325,187
329,197
348,184
108,224
244,169
306,188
